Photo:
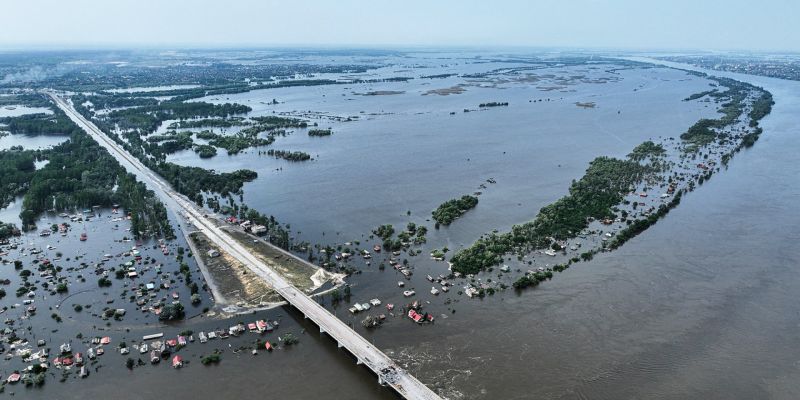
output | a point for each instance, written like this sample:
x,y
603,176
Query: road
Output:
x,y
365,353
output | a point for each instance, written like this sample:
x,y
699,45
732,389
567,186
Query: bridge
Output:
x,y
389,373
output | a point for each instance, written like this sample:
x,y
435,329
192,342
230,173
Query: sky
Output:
x,y
766,25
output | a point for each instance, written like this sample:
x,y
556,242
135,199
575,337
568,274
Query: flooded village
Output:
x,y
86,298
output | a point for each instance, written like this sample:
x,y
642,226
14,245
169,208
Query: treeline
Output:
x,y
41,124
289,155
493,104
79,174
319,132
16,169
640,225
147,119
700,95
761,108
192,181
448,211
8,230
208,123
646,149
602,187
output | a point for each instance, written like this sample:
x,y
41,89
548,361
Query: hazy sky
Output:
x,y
670,24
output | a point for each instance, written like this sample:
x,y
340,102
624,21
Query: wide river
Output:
x,y
702,305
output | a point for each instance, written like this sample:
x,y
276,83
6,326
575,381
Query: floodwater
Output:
x,y
701,305
28,142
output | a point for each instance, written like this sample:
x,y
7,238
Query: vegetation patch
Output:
x,y
448,211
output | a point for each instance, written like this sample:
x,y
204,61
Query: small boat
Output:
x,y
65,348
83,237
84,372
177,361
90,353
390,306
445,289
376,248
155,357
409,293
430,278
143,348
401,283
203,337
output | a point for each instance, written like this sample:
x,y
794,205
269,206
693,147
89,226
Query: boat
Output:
x,y
84,372
375,302
261,325
430,278
390,306
203,337
445,289
434,291
177,361
409,293
401,283
143,348
376,248
83,237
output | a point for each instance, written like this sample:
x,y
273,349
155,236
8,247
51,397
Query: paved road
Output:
x,y
388,372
